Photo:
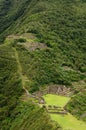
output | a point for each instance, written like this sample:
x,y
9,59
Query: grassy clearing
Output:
x,y
60,101
68,122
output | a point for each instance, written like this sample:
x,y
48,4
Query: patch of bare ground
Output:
x,y
67,68
31,46
25,35
31,43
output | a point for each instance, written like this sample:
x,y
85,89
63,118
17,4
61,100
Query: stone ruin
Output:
x,y
54,89
55,109
59,90
41,100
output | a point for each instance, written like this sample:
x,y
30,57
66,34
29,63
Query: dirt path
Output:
x,y
20,71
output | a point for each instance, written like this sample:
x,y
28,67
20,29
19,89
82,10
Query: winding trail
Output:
x,y
20,71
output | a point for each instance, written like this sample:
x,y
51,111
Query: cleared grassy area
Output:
x,y
68,122
60,101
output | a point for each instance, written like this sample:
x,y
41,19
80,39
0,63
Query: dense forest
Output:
x,y
58,29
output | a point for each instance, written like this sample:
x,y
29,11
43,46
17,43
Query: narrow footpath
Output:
x,y
20,71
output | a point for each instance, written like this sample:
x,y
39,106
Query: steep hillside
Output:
x,y
59,24
14,113
10,11
42,42
77,106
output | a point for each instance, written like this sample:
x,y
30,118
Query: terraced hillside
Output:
x,y
42,44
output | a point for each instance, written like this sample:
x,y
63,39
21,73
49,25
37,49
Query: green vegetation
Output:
x,y
21,40
69,122
58,24
15,114
28,60
60,101
10,11
10,86
30,117
44,67
59,27
66,121
77,105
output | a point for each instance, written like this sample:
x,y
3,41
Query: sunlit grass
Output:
x,y
60,101
68,122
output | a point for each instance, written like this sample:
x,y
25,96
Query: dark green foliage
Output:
x,y
27,115
31,117
15,114
10,85
21,40
10,11
59,24
77,106
44,67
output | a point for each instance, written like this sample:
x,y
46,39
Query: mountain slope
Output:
x,y
10,12
14,113
58,23
77,106
49,38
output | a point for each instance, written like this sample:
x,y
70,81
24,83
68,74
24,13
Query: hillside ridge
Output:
x,y
42,50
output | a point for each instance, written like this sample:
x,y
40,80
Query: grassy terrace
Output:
x,y
67,121
56,100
